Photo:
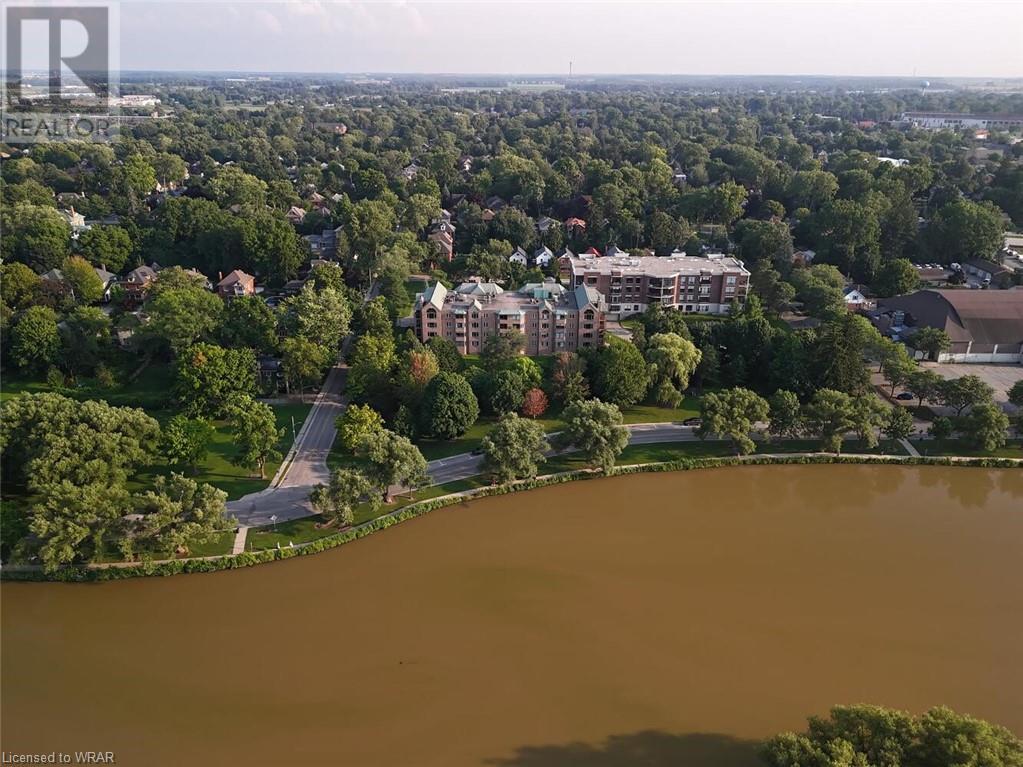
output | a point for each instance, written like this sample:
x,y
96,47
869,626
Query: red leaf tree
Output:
x,y
535,403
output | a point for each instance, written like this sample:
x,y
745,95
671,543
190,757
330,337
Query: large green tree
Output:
x,y
595,429
180,316
48,438
871,735
514,449
106,246
256,434
963,230
448,408
347,489
185,441
176,514
733,413
36,236
207,376
985,426
393,461
619,373
248,321
321,316
830,415
672,360
303,362
35,340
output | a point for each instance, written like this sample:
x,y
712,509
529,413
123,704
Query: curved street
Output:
x,y
306,464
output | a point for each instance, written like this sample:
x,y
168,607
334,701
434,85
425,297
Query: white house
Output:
x,y
519,257
543,256
854,299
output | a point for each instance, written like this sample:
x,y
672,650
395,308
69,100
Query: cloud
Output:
x,y
268,21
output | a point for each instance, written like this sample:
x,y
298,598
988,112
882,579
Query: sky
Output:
x,y
928,39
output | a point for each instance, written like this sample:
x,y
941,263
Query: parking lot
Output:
x,y
998,377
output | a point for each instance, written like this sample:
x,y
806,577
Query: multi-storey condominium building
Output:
x,y
550,317
688,283
955,120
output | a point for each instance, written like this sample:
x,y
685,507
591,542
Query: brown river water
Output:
x,y
661,619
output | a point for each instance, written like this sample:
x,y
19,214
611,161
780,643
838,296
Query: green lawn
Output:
x,y
220,544
1012,449
218,470
414,286
434,449
150,389
673,451
690,408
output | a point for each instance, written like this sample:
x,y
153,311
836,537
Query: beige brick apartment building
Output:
x,y
687,283
551,317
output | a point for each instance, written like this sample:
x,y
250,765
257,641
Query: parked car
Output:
x,y
905,395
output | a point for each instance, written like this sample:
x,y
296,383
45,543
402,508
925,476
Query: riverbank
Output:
x,y
118,571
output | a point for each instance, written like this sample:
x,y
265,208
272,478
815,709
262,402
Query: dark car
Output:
x,y
476,451
692,422
906,395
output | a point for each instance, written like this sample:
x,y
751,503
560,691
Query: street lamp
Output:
x,y
273,520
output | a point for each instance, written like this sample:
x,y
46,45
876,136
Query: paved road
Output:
x,y
290,498
304,466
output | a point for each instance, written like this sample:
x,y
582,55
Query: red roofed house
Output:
x,y
574,226
237,283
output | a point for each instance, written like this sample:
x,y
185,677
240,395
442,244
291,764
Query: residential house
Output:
x,y
543,257
237,283
803,257
854,300
76,221
544,224
519,257
443,244
325,243
575,227
136,283
550,317
295,214
109,279
495,203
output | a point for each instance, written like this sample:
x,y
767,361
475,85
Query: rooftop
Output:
x,y
658,266
549,293
982,316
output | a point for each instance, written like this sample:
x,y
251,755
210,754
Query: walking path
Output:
x,y
239,540
909,447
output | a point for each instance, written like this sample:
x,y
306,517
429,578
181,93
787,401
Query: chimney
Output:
x,y
220,276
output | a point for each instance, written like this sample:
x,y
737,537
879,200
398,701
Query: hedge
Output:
x,y
74,574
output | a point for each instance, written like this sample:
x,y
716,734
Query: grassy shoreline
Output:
x,y
421,507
